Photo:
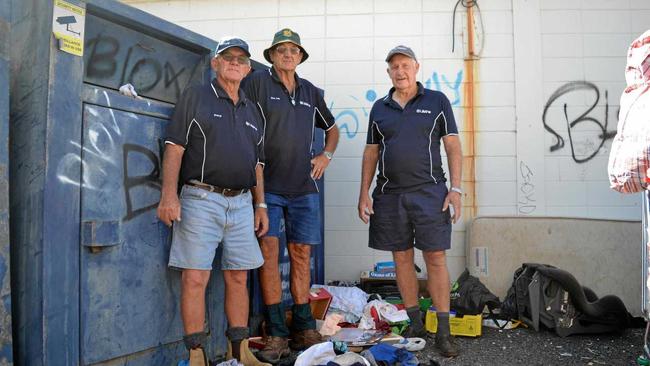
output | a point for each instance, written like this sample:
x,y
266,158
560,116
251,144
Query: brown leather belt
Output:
x,y
228,192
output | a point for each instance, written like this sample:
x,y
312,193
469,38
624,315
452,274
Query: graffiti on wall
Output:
x,y
94,163
582,148
349,120
151,71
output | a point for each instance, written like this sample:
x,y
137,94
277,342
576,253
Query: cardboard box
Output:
x,y
468,325
319,301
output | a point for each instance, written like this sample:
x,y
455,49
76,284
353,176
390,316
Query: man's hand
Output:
x,y
365,207
318,166
452,198
261,222
169,209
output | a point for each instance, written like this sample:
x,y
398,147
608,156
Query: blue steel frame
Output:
x,y
46,106
6,352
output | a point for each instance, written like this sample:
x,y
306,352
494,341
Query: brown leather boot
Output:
x,y
246,357
198,357
275,348
304,339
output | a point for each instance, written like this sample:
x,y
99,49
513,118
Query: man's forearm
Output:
x,y
331,139
258,190
454,160
368,167
171,167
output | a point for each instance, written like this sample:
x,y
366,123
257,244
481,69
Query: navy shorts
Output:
x,y
301,214
404,220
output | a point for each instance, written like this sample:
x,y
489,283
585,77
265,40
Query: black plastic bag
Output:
x,y
469,296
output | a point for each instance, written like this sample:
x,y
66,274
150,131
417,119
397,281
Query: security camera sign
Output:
x,y
68,22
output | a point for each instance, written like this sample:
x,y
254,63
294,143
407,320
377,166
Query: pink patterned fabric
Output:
x,y
629,157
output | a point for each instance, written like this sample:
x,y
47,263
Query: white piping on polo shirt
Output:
x,y
215,90
383,165
187,137
311,144
263,131
431,155
323,118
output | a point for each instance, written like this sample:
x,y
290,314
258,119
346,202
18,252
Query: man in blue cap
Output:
x,y
214,145
411,200
293,107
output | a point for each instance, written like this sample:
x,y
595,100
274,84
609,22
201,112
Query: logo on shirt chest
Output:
x,y
305,104
274,98
216,115
251,125
423,111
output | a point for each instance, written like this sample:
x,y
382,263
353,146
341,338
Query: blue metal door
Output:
x,y
129,299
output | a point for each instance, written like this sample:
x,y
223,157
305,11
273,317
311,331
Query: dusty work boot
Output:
x,y
243,354
414,332
198,357
446,345
275,348
194,343
304,339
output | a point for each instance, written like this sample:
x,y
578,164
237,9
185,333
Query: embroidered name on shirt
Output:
x,y
426,111
305,104
251,126
217,115
275,98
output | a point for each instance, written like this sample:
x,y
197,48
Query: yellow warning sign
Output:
x,y
68,22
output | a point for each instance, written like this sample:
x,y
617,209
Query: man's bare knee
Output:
x,y
235,278
195,279
270,247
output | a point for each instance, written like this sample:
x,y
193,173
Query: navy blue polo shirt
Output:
x,y
223,141
409,139
290,123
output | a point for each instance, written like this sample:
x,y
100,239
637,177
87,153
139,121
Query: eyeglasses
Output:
x,y
242,60
284,49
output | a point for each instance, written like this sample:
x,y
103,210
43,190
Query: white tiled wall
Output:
x,y
573,40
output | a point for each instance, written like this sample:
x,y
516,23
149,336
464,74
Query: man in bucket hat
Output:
x,y
411,200
214,146
292,107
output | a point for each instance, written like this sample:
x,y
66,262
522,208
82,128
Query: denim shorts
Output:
x,y
301,213
411,219
209,219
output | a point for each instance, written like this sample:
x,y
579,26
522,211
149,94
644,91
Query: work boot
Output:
x,y
446,345
246,357
275,348
304,339
414,332
198,357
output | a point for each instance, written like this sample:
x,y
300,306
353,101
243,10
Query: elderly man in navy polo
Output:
x,y
411,200
293,108
214,145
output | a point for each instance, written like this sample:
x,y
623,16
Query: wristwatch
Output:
x,y
261,205
328,155
457,190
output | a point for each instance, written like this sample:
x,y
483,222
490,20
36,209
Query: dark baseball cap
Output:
x,y
401,50
227,43
282,36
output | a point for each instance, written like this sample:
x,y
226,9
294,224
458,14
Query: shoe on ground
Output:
x,y
304,339
246,357
198,357
446,346
275,348
411,332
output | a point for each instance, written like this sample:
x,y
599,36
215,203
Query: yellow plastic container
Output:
x,y
468,325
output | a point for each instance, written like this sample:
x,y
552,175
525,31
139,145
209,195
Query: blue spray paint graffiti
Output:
x,y
349,121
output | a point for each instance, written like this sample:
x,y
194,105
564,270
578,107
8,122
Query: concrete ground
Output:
x,y
527,347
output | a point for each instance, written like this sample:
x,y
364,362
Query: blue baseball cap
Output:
x,y
227,43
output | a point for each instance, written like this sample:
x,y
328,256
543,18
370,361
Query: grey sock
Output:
x,y
443,324
236,335
195,340
416,317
